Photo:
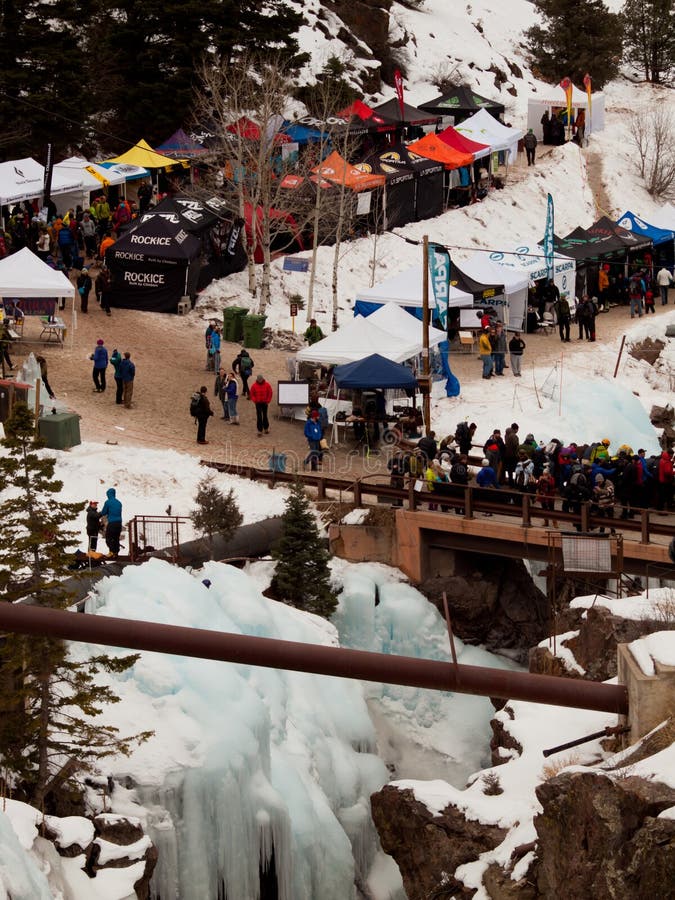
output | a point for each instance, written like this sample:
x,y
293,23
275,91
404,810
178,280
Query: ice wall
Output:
x,y
20,877
430,733
244,759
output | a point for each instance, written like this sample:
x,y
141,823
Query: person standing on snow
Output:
x,y
93,524
112,510
530,142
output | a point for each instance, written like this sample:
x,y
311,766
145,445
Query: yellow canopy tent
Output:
x,y
142,154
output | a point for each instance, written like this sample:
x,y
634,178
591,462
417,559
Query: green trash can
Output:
x,y
253,331
60,430
239,314
228,324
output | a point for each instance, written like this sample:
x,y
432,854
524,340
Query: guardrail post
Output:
x,y
412,499
321,488
527,520
644,523
585,524
356,488
468,503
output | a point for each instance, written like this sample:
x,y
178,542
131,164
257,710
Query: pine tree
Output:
x,y
302,577
649,27
43,77
216,513
578,36
48,699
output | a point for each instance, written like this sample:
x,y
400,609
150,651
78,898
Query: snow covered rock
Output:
x,y
604,837
429,846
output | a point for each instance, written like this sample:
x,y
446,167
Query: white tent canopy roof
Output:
x,y
23,274
356,340
93,176
530,259
485,129
23,179
405,289
393,319
483,269
554,95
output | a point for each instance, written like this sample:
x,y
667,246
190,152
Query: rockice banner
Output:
x,y
155,287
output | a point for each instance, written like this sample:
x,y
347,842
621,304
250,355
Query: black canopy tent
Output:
x,y
462,102
604,241
484,295
391,109
153,265
428,178
399,190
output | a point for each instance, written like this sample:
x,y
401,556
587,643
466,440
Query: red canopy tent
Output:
x,y
248,129
462,144
286,224
432,147
361,119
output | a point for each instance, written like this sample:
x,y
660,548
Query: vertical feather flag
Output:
x,y
588,86
568,87
398,82
548,238
439,267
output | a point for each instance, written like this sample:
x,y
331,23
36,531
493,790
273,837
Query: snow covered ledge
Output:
x,y
647,668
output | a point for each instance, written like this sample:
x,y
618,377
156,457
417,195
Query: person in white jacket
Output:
x,y
664,279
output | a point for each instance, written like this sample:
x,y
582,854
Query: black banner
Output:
x,y
49,168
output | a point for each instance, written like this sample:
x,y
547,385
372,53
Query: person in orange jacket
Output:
x,y
260,393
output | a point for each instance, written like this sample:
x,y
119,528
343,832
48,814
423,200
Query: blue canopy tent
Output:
x,y
303,134
664,240
375,372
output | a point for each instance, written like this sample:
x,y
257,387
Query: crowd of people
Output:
x,y
574,473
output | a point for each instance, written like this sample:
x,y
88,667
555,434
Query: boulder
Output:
x,y
600,837
492,601
428,848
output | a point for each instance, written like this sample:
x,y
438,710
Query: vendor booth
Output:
x,y
93,178
428,178
460,102
482,128
181,146
153,266
356,339
662,238
553,101
530,260
399,191
29,287
23,179
484,269
405,290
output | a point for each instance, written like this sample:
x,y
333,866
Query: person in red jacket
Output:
x,y
260,393
664,481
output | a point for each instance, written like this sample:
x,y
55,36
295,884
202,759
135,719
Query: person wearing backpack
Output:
x,y
561,308
464,436
201,410
524,473
636,293
243,366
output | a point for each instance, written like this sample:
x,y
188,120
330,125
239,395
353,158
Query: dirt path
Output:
x,y
596,183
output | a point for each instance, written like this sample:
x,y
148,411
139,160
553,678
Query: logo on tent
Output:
x,y
19,172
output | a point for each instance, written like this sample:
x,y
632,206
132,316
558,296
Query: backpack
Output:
x,y
462,433
194,404
520,479
589,452
578,485
245,364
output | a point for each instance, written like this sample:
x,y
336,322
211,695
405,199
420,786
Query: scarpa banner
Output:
x,y
548,238
439,269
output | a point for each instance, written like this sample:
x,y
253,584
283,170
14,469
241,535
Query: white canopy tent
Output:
x,y
24,275
23,179
357,339
515,281
405,289
393,319
485,129
554,98
529,258
92,178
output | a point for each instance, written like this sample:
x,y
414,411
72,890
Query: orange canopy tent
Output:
x,y
338,171
432,147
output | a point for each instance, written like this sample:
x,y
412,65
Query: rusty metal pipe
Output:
x,y
320,660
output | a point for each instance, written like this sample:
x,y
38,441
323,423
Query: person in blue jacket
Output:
x,y
314,434
100,358
487,477
112,510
